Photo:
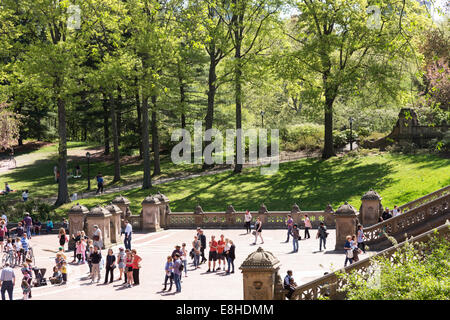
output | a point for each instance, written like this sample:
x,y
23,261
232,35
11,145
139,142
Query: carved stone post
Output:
x,y
262,211
76,214
230,216
115,223
164,209
124,205
150,214
101,217
260,275
198,211
370,209
346,220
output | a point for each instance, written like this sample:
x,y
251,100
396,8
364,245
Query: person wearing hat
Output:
x,y
97,237
176,251
295,233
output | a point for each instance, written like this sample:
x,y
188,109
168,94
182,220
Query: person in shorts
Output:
x,y
213,245
221,251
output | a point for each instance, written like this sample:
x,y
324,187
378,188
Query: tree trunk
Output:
x,y
212,77
147,182
115,133
155,140
119,114
63,192
182,98
330,96
238,95
139,118
106,125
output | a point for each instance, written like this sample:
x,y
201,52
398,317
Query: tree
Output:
x,y
9,127
336,47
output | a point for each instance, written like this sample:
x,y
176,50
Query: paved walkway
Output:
x,y
307,265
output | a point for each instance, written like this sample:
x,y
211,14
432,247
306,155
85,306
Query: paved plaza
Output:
x,y
307,265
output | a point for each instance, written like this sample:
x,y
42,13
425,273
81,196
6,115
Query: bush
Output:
x,y
363,132
409,148
36,208
302,137
444,144
339,139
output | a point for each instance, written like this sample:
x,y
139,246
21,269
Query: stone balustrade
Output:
x,y
270,220
431,196
330,284
410,219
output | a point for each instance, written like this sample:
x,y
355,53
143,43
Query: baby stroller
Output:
x,y
40,280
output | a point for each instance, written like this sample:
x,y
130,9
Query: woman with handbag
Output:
x,y
258,230
348,251
136,264
97,237
110,266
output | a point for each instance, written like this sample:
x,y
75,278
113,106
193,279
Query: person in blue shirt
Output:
x,y
99,183
168,268
348,251
49,226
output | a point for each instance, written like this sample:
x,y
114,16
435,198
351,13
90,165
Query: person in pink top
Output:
x,y
81,250
307,226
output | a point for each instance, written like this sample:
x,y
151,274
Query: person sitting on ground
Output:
x,y
7,189
25,196
57,276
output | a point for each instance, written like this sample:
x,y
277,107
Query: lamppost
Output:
x,y
262,118
351,132
88,156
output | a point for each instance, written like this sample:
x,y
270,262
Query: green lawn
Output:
x,y
311,183
38,177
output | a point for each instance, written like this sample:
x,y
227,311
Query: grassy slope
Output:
x,y
311,183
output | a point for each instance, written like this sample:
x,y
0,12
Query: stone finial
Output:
x,y
230,209
260,259
295,208
151,200
198,210
371,195
121,200
78,209
99,211
161,197
346,209
113,209
263,209
329,209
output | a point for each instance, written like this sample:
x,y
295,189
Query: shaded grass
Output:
x,y
311,183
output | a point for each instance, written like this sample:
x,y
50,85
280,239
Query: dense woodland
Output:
x,y
127,73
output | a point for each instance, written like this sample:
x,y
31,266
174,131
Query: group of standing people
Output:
x,y
294,231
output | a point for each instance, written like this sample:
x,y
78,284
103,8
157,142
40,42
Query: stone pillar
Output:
x,y
115,223
76,215
164,208
260,275
370,209
295,209
198,211
101,217
124,205
262,211
230,215
346,220
150,214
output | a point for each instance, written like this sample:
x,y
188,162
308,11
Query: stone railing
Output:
x,y
329,285
431,196
270,220
404,221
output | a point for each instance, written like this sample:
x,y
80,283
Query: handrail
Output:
x,y
426,198
406,220
329,285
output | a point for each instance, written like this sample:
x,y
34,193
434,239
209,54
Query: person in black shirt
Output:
x,y
386,214
322,236
95,257
76,238
202,239
110,266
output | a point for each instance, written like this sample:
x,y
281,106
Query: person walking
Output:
x,y
100,182
307,227
95,257
202,239
184,258
322,235
110,266
231,255
248,220
128,231
28,224
177,272
295,232
7,281
97,237
168,268
196,245
121,262
136,266
361,238
348,251
258,230
289,224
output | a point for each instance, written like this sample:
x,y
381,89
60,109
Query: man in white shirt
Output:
x,y
7,281
128,232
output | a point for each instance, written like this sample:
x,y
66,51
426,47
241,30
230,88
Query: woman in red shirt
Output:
x,y
136,266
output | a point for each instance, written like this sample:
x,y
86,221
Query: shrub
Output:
x,y
301,137
339,139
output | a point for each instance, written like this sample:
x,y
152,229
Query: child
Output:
x,y
57,276
81,251
169,273
64,272
26,289
18,249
